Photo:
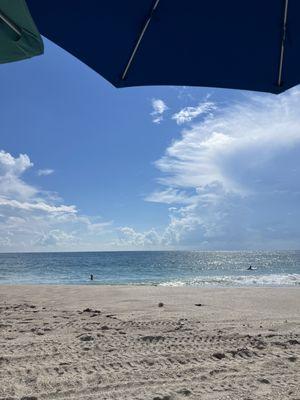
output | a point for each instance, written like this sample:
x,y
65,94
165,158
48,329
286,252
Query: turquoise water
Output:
x,y
170,268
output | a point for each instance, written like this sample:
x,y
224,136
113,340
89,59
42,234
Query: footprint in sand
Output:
x,y
264,380
87,338
29,398
184,392
219,356
104,328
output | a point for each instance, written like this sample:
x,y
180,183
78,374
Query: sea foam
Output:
x,y
239,280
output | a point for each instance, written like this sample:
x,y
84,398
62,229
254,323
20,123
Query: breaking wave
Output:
x,y
239,280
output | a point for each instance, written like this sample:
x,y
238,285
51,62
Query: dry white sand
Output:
x,y
239,344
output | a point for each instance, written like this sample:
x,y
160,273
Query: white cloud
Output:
x,y
54,238
129,237
235,173
182,221
37,206
45,172
13,166
10,171
245,136
187,114
31,219
159,107
168,196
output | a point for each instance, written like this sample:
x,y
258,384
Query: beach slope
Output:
x,y
101,342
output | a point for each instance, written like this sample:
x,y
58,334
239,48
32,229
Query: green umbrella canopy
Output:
x,y
19,37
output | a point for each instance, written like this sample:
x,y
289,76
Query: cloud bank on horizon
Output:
x,y
32,219
230,181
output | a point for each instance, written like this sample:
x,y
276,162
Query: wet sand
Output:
x,y
101,342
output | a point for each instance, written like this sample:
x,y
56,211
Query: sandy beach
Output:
x,y
101,342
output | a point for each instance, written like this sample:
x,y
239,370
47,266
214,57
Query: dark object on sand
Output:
x,y
219,356
250,44
87,338
199,305
29,398
264,380
90,310
105,328
92,277
185,392
160,304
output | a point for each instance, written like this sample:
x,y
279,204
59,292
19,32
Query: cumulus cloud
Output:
x,y
234,174
31,219
129,237
182,220
11,170
54,238
10,165
159,107
187,114
45,172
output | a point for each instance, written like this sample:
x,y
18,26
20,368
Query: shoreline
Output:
x,y
117,343
287,280
144,298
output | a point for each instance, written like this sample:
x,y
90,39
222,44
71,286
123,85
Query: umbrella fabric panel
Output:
x,y
216,43
99,33
291,70
229,44
19,37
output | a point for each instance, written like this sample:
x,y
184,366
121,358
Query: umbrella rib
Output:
x,y
283,43
8,22
139,40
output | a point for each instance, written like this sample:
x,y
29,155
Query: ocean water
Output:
x,y
168,268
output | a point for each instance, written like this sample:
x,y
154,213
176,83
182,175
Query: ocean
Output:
x,y
168,268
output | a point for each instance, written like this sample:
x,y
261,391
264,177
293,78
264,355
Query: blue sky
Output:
x,y
85,166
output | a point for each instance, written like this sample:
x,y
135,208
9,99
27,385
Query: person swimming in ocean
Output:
x,y
92,277
250,268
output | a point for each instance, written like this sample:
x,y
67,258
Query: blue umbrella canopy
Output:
x,y
249,44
